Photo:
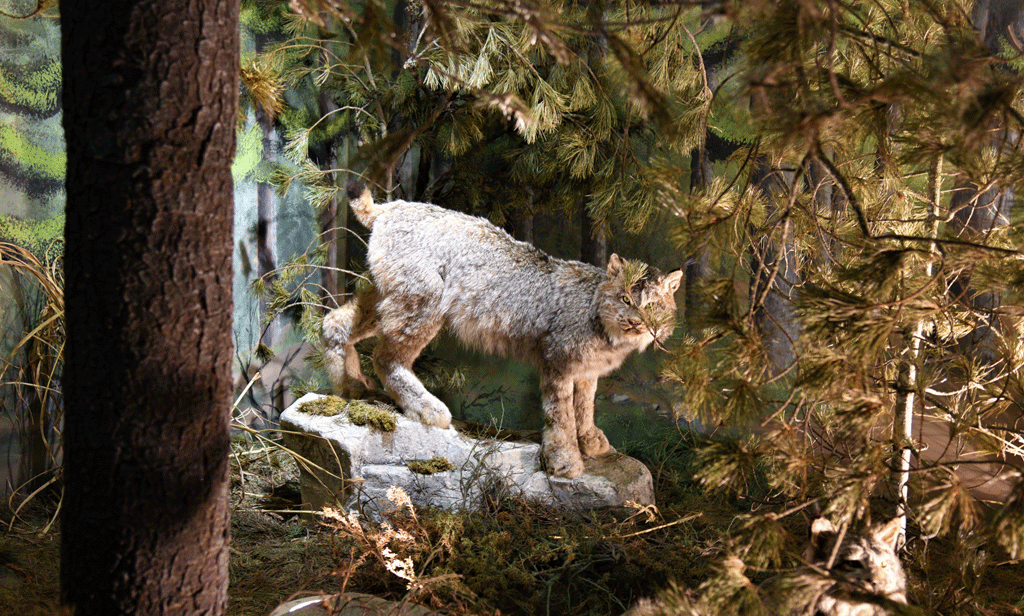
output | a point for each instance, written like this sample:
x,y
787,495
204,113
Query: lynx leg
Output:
x,y
592,440
407,327
343,327
559,444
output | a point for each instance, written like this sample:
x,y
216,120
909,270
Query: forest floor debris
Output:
x,y
515,557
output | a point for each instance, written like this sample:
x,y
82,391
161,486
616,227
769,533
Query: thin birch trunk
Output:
x,y
907,380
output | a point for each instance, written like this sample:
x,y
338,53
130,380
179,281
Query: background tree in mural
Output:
x,y
31,145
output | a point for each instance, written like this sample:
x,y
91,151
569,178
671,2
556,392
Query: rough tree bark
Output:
x,y
150,96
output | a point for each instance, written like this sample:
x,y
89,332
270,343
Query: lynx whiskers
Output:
x,y
433,267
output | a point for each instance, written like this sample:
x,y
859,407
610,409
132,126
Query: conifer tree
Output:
x,y
504,124
470,110
897,107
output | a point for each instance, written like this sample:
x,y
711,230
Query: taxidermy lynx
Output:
x,y
433,267
866,574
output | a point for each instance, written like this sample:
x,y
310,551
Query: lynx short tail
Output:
x,y
360,199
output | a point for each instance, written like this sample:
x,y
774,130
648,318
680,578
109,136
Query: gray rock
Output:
x,y
353,466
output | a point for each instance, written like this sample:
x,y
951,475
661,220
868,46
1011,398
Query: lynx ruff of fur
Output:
x,y
433,267
865,574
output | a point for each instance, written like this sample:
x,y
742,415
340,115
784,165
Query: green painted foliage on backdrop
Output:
x,y
32,158
34,88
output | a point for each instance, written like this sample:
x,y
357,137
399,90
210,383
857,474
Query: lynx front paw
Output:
x,y
431,411
564,462
594,443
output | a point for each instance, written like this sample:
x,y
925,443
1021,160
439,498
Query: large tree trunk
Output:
x,y
775,276
976,214
593,240
523,220
326,157
702,174
150,98
699,267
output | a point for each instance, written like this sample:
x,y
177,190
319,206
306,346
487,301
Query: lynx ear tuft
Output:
x,y
823,533
354,189
614,265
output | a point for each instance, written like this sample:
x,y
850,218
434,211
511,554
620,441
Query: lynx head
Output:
x,y
867,561
637,301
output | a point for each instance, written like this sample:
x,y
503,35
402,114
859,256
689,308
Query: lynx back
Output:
x,y
433,267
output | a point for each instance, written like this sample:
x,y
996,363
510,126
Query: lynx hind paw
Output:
x,y
431,411
594,443
355,389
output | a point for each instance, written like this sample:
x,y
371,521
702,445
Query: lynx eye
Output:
x,y
627,300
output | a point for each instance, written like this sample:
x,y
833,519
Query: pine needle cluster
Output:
x,y
850,296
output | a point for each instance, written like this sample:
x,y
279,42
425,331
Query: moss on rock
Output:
x,y
437,464
362,413
359,412
327,406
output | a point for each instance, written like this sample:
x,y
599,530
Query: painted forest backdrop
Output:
x,y
839,179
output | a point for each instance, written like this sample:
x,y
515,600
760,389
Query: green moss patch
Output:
x,y
437,464
362,413
328,406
